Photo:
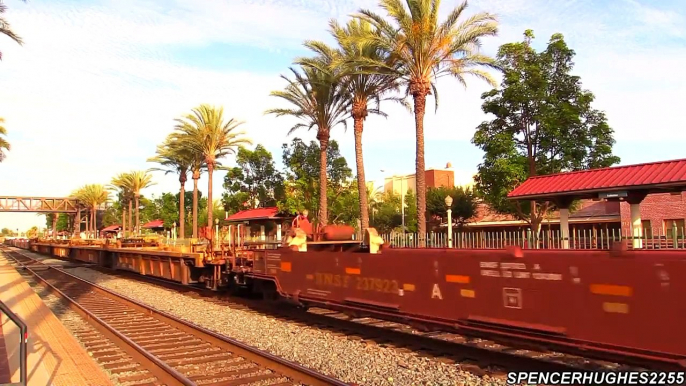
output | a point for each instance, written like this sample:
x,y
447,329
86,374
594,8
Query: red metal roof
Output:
x,y
642,176
154,224
111,228
254,214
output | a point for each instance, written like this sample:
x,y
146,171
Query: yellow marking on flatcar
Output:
x,y
309,277
616,308
610,289
286,266
466,293
353,271
460,279
408,287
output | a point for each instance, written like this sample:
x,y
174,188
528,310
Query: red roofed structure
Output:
x,y
655,176
631,184
154,224
111,228
270,213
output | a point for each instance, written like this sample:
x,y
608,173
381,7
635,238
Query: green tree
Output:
x,y
364,90
320,101
463,207
175,159
6,232
93,196
4,145
205,132
62,221
6,30
254,183
385,214
302,163
422,50
543,123
411,218
164,207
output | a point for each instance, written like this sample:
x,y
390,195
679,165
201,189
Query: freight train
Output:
x,y
622,304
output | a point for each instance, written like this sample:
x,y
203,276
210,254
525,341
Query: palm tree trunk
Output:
x,y
94,223
123,221
195,207
130,217
210,206
138,214
361,181
323,210
420,178
182,208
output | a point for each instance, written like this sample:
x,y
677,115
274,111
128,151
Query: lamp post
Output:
x,y
216,230
174,230
449,204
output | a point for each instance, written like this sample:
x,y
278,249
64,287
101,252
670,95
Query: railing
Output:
x,y
673,238
23,345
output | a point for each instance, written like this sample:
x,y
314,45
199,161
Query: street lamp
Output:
x,y
449,204
216,229
402,200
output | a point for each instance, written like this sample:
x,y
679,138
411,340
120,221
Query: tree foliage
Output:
x,y
254,183
543,123
302,164
5,28
6,232
62,221
463,207
422,49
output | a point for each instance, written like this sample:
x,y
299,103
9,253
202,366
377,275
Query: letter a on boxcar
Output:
x,y
436,293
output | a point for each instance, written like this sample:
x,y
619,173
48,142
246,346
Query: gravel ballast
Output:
x,y
351,361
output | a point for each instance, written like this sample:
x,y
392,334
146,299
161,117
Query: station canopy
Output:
x,y
270,213
611,182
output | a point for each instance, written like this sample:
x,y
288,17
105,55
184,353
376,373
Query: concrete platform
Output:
x,y
54,355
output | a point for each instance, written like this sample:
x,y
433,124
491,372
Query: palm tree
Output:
x,y
138,181
422,50
360,87
3,143
5,27
175,159
122,183
205,132
320,101
93,196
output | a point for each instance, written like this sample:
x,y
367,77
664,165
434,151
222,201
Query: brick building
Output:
x,y
434,178
659,213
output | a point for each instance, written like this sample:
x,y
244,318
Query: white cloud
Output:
x,y
93,90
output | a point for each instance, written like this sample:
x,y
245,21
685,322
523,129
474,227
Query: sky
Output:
x,y
97,84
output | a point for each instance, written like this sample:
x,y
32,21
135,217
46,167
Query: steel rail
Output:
x,y
287,368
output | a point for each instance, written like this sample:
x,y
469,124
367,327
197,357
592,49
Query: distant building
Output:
x,y
434,177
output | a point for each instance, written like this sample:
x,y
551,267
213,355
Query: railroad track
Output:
x,y
479,356
476,355
143,346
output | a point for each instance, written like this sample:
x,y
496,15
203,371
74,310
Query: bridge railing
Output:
x,y
23,346
671,238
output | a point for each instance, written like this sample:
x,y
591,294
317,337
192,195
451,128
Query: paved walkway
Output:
x,y
55,357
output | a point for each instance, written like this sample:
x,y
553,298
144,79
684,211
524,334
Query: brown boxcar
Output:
x,y
631,302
